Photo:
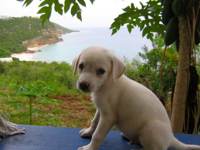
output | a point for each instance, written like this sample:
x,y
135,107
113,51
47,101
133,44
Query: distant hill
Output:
x,y
16,34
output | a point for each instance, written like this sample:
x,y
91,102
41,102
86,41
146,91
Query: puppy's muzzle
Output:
x,y
84,86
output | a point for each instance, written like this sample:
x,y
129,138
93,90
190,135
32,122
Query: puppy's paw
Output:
x,y
131,142
124,136
86,132
17,131
86,147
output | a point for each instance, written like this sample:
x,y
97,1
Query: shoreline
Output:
x,y
33,47
24,56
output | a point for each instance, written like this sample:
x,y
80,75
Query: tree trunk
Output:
x,y
183,75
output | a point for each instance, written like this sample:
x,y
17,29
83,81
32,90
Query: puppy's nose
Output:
x,y
84,86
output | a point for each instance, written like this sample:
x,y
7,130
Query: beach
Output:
x,y
26,55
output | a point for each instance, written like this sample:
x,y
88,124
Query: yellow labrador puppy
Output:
x,y
123,102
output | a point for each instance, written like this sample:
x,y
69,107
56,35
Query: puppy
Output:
x,y
120,101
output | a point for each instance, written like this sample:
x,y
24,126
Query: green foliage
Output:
x,y
67,5
46,9
34,89
27,2
27,80
147,17
42,94
34,79
46,6
82,2
148,72
14,31
4,53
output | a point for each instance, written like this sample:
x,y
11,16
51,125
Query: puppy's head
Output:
x,y
96,66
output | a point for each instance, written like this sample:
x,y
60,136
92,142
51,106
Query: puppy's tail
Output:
x,y
177,145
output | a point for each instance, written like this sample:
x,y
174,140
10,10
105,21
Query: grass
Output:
x,y
56,102
67,110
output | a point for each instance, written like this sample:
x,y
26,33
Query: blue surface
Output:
x,y
50,138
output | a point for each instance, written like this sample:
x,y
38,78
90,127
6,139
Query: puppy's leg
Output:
x,y
87,132
132,141
155,136
105,124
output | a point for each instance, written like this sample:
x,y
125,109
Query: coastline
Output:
x,y
34,46
26,55
33,36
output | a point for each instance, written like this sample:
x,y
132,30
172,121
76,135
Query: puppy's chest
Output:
x,y
103,101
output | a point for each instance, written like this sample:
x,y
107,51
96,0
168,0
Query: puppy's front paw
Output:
x,y
86,132
86,147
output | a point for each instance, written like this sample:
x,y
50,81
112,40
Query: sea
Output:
x,y
124,44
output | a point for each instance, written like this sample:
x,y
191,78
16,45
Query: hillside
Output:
x,y
16,34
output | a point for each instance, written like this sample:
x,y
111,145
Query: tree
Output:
x,y
177,20
148,71
182,27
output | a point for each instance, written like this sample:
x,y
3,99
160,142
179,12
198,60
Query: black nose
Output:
x,y
84,86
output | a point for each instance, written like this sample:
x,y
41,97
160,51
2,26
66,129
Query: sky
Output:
x,y
99,14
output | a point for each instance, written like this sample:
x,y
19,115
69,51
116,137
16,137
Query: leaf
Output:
x,y
145,31
150,36
75,9
129,27
43,18
43,10
46,15
147,18
142,5
115,24
45,2
27,2
78,15
67,5
58,7
114,31
82,2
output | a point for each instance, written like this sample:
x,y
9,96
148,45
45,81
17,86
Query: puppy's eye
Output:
x,y
100,71
81,66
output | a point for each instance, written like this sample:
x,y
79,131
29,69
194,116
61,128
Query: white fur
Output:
x,y
120,101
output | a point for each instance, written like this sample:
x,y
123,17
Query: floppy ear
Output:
x,y
117,67
75,64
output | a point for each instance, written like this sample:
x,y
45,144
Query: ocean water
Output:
x,y
123,44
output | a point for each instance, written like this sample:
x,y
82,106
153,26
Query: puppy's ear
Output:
x,y
75,64
117,67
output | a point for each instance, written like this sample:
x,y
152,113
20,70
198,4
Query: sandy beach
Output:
x,y
24,56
